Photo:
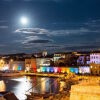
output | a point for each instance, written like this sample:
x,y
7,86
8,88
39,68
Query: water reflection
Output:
x,y
2,86
62,85
40,85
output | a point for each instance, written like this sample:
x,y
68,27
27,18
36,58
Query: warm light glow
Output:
x,y
2,86
24,20
91,66
55,69
68,70
83,70
63,70
38,70
11,60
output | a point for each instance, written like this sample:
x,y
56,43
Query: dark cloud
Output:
x,y
39,41
81,48
53,46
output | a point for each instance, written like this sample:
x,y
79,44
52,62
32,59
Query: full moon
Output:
x,y
24,20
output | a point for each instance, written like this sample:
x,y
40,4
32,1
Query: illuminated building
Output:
x,y
83,62
51,69
30,65
59,55
67,70
48,69
65,59
43,69
55,69
84,70
2,63
17,65
95,63
72,69
76,70
42,62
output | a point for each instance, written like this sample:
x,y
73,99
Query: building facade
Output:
x,y
42,62
30,65
83,62
17,65
95,63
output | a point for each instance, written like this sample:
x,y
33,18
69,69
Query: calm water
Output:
x,y
20,85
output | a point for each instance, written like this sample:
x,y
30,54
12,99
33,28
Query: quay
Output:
x,y
45,75
30,74
11,74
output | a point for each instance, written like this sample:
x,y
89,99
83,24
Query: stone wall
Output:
x,y
85,92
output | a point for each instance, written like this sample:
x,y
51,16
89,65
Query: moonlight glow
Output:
x,y
24,20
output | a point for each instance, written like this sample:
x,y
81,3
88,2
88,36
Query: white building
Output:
x,y
95,58
95,63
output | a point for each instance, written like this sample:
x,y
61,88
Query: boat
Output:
x,y
32,96
7,96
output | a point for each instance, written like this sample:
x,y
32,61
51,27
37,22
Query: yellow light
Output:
x,y
68,70
2,86
91,66
11,60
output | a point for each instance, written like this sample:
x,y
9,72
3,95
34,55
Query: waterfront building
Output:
x,y
40,62
95,63
60,70
2,63
65,59
83,62
84,70
30,65
59,55
17,65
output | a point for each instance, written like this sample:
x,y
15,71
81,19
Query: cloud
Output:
x,y
2,45
62,32
53,46
82,48
3,27
39,41
34,31
33,39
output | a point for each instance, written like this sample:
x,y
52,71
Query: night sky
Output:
x,y
53,25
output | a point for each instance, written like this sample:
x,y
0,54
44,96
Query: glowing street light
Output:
x,y
11,60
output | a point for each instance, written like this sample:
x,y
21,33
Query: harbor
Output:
x,y
33,85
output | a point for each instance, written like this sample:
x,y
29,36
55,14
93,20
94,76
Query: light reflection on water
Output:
x,y
41,85
2,86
